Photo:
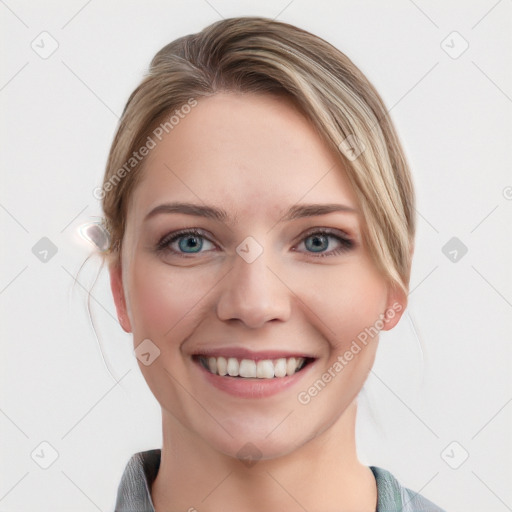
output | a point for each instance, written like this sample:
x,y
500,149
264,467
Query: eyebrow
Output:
x,y
218,214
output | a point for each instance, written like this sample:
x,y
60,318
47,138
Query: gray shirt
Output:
x,y
134,492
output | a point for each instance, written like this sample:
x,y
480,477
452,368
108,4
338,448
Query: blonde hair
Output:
x,y
253,54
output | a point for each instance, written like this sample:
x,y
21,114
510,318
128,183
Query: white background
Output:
x,y
58,118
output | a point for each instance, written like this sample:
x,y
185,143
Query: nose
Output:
x,y
253,293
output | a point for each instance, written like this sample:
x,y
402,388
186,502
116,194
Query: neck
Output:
x,y
322,474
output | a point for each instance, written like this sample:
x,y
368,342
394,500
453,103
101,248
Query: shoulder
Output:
x,y
134,491
393,497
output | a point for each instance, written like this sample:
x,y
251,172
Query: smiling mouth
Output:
x,y
252,369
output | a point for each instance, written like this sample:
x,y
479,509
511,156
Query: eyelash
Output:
x,y
346,243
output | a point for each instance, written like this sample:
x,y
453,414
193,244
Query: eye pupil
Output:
x,y
190,242
319,243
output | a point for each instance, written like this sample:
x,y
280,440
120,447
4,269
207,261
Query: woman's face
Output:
x,y
273,276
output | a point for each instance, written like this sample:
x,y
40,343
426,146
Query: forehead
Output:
x,y
243,151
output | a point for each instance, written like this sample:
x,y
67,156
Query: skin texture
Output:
x,y
254,156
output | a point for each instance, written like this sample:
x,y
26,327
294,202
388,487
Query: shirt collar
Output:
x,y
134,492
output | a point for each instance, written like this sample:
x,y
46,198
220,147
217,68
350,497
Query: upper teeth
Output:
x,y
262,369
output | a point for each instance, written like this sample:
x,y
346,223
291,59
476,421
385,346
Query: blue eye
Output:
x,y
188,242
319,241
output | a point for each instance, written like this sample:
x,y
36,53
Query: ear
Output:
x,y
116,285
395,307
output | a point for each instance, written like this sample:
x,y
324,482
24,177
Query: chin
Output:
x,y
257,440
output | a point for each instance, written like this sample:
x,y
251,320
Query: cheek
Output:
x,y
349,300
167,303
165,299
348,306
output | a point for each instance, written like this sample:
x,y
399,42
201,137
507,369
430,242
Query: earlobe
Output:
x,y
395,308
116,285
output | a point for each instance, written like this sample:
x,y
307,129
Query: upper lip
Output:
x,y
244,353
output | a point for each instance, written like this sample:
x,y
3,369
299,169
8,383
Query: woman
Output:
x,y
261,216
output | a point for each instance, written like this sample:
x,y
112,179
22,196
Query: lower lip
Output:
x,y
253,388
